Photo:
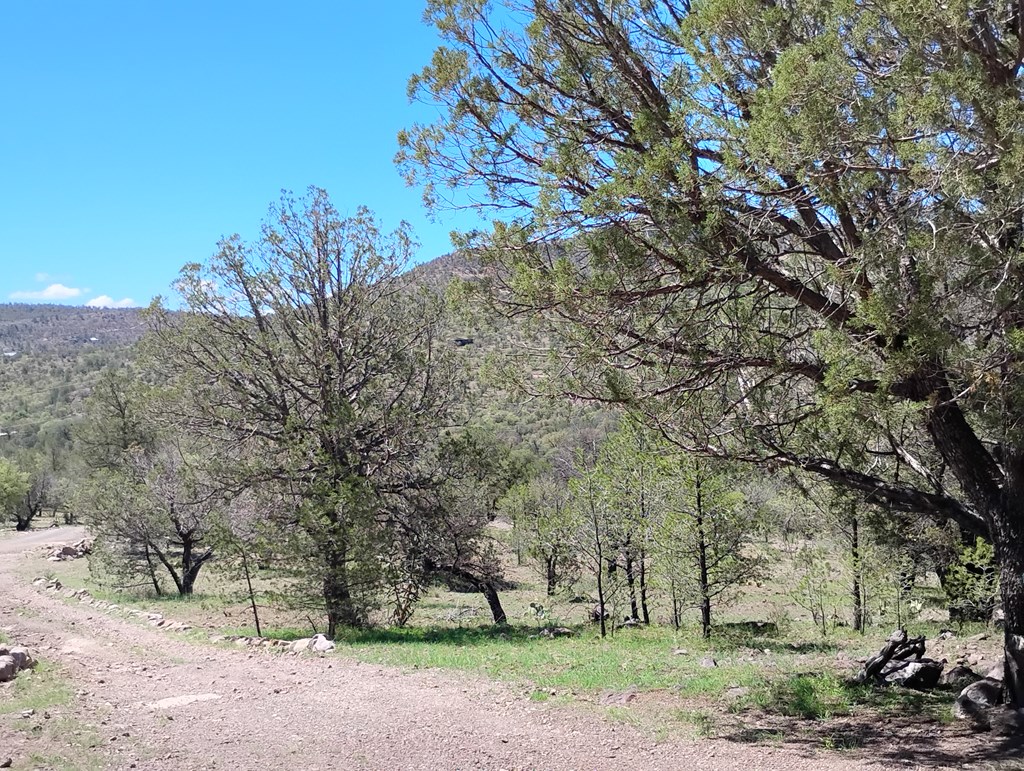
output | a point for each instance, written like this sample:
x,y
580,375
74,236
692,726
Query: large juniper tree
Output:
x,y
308,353
809,208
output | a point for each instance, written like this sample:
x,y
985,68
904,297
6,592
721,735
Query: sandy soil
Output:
x,y
158,701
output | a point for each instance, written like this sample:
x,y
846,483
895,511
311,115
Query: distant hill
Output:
x,y
50,356
65,329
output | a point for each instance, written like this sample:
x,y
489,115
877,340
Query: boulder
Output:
x,y
22,657
8,668
321,644
959,677
976,698
921,674
301,645
998,672
708,662
1006,721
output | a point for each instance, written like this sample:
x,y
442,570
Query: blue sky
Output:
x,y
135,134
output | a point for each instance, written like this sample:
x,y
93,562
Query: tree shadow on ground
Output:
x,y
893,726
468,635
888,741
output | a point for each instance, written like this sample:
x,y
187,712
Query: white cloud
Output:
x,y
42,278
52,292
105,301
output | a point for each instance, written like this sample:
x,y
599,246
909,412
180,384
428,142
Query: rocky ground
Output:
x,y
149,698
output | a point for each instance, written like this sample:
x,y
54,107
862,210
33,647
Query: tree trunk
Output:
x,y
677,613
338,601
21,525
643,588
484,585
152,571
634,610
252,594
1009,542
600,559
552,574
493,602
858,597
702,564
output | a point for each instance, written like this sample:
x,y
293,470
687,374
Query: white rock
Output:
x,y
182,701
321,644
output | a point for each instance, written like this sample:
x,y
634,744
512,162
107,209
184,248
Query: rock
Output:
x,y
976,698
321,644
998,672
708,662
960,677
182,701
595,614
8,668
612,698
946,634
7,763
998,618
737,692
300,645
1006,721
978,637
22,657
556,631
680,652
912,674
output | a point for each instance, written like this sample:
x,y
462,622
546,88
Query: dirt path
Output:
x,y
160,702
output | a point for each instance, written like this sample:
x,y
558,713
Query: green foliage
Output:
x,y
817,589
325,378
971,584
543,527
148,498
14,486
707,534
772,231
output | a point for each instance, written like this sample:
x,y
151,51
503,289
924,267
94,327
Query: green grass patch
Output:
x,y
702,721
822,696
584,663
274,633
41,688
812,697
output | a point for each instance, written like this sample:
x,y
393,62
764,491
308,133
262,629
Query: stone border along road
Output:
x,y
159,701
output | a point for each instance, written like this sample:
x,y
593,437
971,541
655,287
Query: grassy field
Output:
x,y
760,688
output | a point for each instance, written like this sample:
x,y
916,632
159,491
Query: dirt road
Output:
x,y
157,701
